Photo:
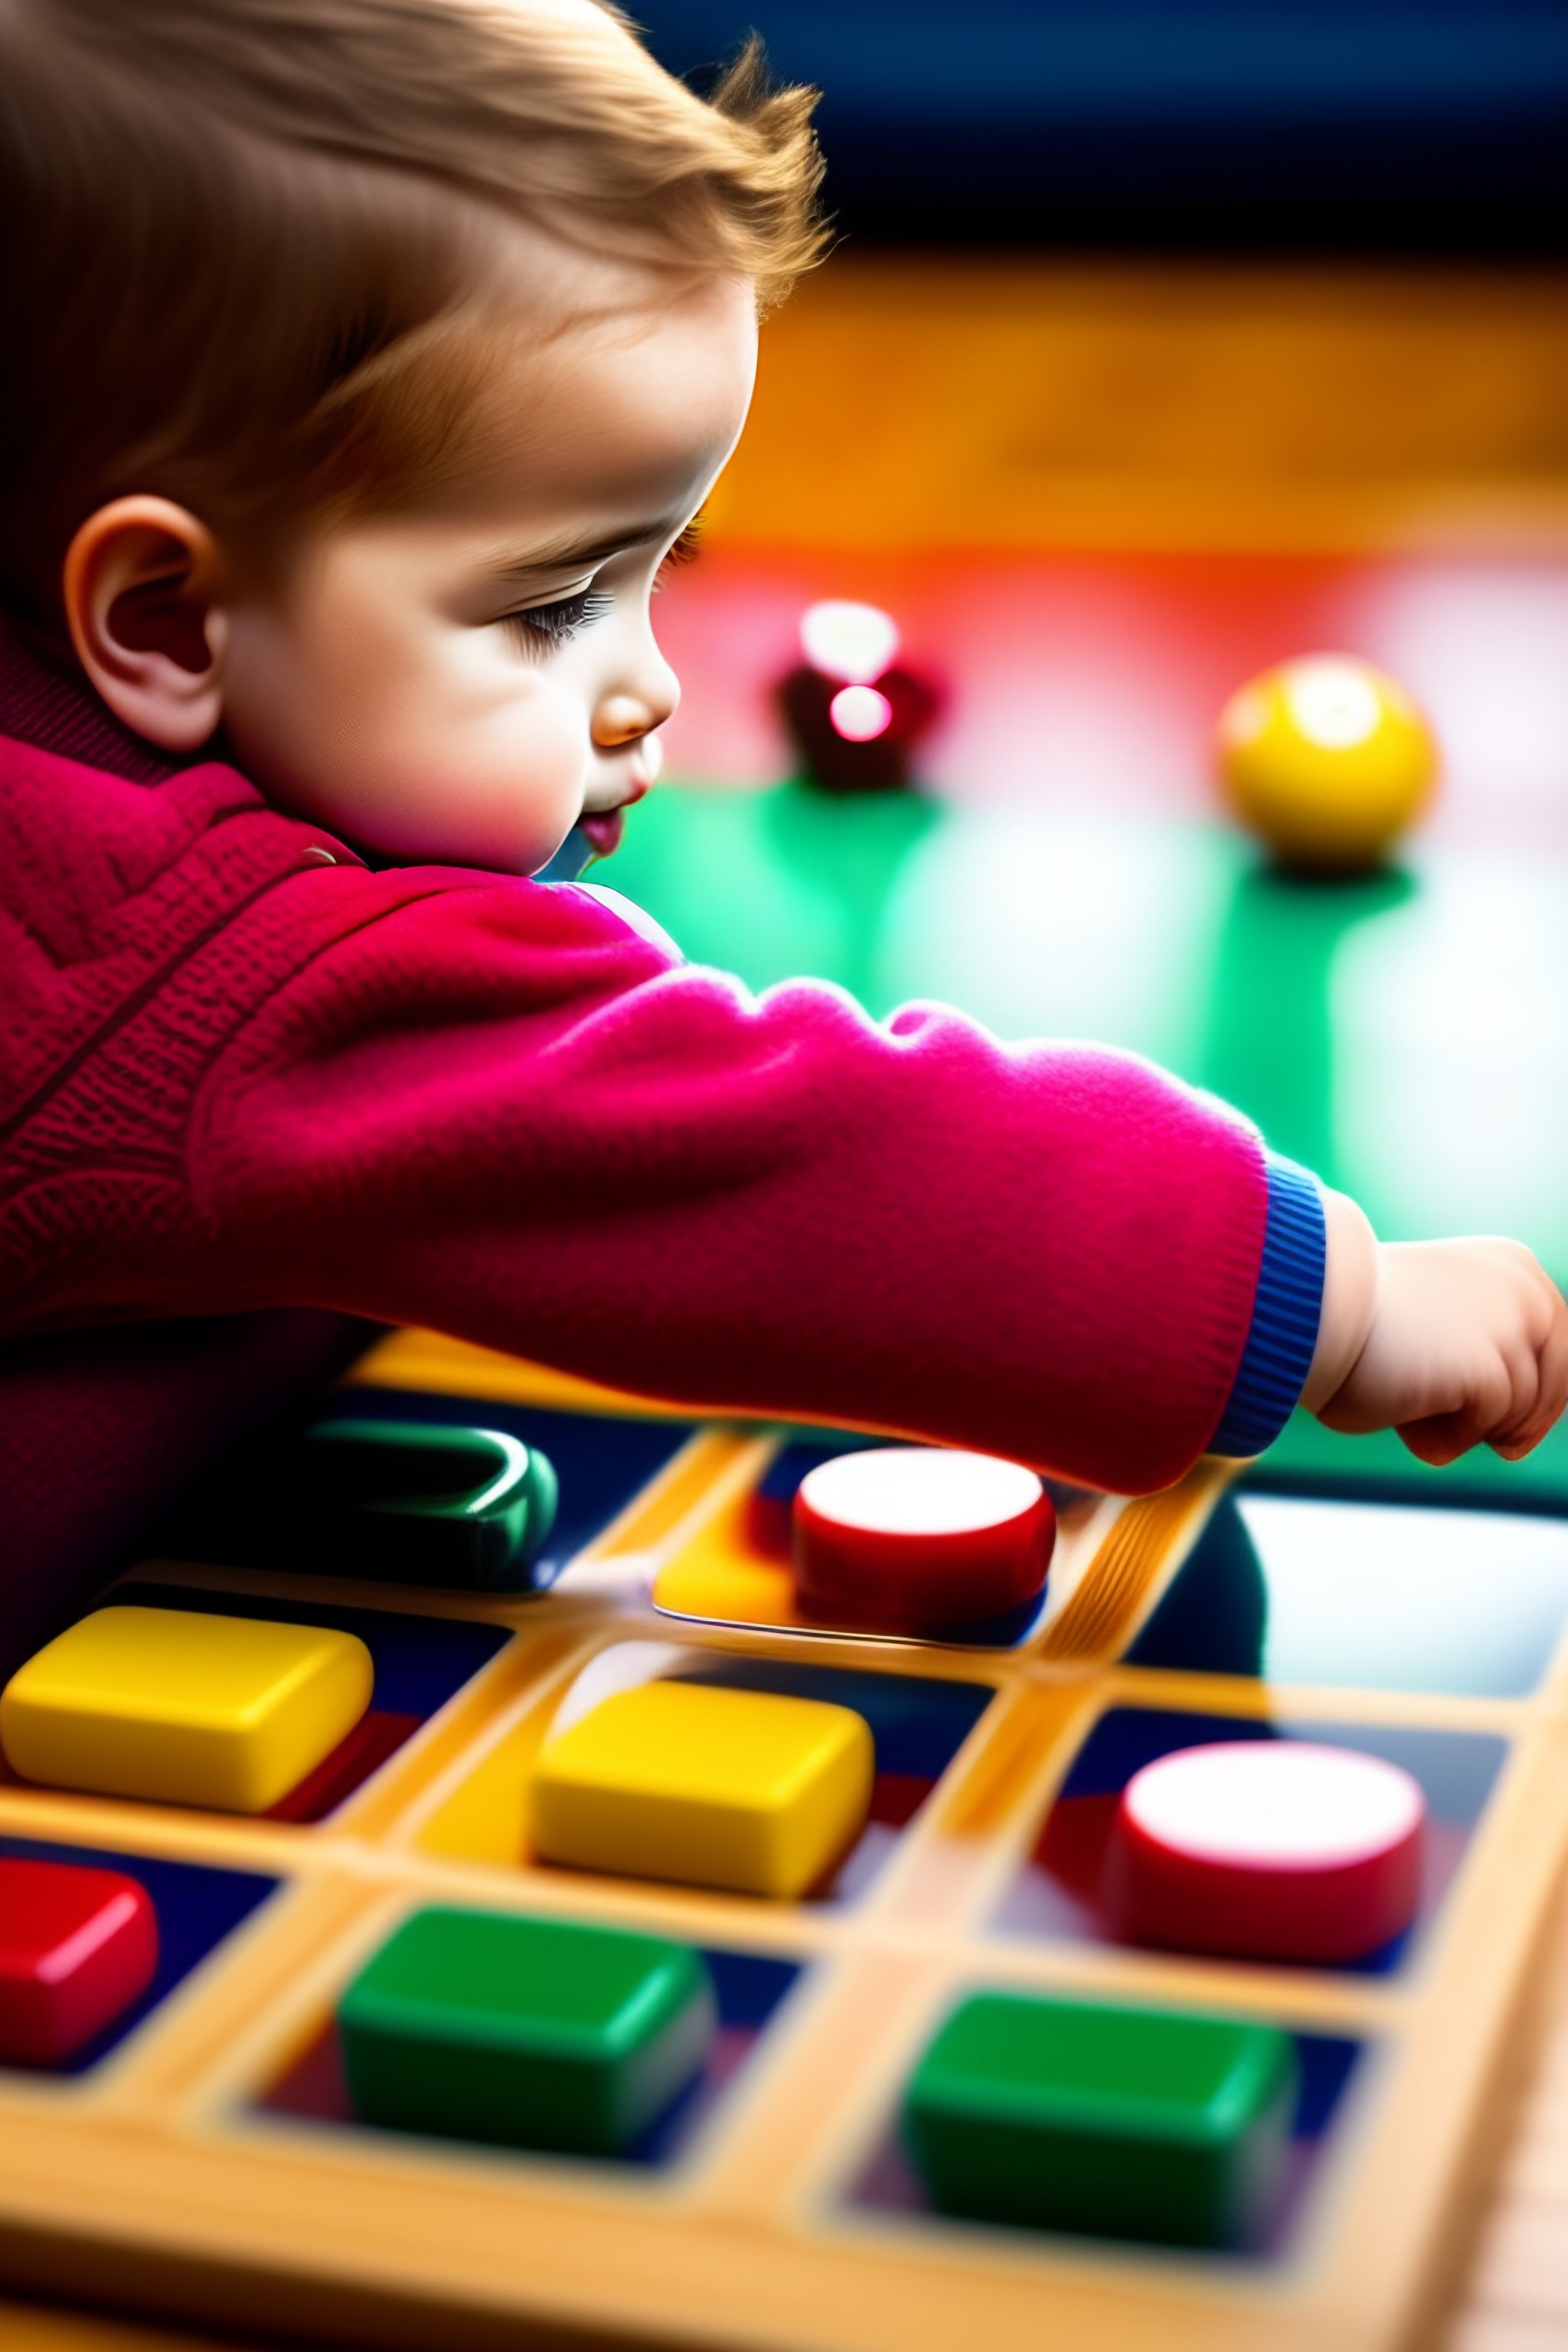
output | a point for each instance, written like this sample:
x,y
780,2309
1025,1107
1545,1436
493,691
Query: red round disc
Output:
x,y
1269,1849
911,1537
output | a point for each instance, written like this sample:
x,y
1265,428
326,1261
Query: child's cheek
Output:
x,y
464,755
418,747
513,778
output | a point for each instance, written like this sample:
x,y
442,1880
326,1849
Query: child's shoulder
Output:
x,y
137,896
634,917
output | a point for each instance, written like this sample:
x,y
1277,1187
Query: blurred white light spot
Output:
x,y
859,712
1333,703
855,642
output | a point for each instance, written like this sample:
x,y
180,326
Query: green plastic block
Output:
x,y
529,2032
413,1502
1128,2123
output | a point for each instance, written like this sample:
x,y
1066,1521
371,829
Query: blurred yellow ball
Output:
x,y
1328,761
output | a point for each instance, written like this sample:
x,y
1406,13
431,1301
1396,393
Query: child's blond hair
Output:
x,y
246,242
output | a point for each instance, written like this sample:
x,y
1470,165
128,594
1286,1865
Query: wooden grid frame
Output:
x,y
157,2176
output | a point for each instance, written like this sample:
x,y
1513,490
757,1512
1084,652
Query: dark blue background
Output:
x,y
1426,123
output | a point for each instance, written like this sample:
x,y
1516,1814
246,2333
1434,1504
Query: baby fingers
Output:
x,y
1549,1395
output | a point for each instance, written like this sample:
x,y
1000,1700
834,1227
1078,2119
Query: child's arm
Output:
x,y
440,1097
500,1110
1454,1343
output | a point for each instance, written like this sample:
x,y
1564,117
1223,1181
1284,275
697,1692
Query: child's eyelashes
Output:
x,y
545,628
685,550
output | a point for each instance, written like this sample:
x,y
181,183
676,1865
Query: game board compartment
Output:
x,y
918,1723
736,1570
198,1905
1059,1891
884,2187
750,1987
604,1463
421,1662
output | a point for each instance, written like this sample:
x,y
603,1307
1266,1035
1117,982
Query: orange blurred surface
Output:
x,y
972,402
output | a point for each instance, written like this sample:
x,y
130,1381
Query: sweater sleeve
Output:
x,y
1287,1308
499,1108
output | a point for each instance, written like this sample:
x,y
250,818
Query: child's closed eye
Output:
x,y
545,628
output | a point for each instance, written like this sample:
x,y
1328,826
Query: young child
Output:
x,y
368,358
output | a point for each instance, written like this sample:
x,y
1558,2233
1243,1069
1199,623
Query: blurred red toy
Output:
x,y
854,712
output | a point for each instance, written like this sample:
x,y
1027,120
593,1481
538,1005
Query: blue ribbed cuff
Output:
x,y
1285,1315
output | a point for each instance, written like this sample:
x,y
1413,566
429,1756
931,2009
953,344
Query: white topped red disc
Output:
x,y
913,1537
1278,1849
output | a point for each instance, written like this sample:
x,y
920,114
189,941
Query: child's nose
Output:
x,y
629,712
621,718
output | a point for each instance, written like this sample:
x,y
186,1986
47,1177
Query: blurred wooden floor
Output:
x,y
972,402
1007,403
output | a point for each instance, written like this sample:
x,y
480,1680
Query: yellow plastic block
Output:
x,y
184,1708
713,1787
734,1591
721,1573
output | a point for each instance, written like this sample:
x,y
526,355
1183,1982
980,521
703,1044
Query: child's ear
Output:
x,y
141,586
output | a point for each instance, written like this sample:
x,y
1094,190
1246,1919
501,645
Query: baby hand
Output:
x,y
1462,1342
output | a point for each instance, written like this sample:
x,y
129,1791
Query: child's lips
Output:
x,y
604,827
603,830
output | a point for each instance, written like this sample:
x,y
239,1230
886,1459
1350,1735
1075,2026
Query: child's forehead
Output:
x,y
616,407
542,286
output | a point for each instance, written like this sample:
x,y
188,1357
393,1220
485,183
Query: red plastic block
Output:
x,y
78,1945
1264,1849
909,1538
